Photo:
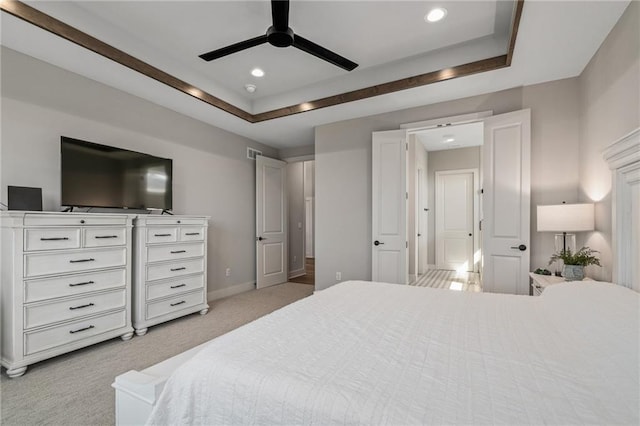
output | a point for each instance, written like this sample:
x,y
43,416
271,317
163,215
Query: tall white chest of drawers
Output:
x,y
66,283
170,269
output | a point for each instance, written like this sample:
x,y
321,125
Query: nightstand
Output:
x,y
539,282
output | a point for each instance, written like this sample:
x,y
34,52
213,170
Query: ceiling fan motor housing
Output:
x,y
280,38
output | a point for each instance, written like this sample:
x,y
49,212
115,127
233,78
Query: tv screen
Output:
x,y
96,175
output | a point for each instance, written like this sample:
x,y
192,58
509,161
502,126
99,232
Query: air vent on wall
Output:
x,y
252,153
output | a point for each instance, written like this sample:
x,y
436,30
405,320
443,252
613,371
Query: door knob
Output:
x,y
260,238
471,235
377,243
521,247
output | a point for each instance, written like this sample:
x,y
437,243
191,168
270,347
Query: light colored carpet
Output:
x,y
75,388
452,280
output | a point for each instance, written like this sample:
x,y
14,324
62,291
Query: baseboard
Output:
x,y
231,291
297,273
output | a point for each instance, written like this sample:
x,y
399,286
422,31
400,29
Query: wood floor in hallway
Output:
x,y
310,276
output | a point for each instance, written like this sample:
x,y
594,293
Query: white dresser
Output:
x,y
66,283
170,268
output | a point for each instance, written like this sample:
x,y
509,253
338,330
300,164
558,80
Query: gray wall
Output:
x,y
211,174
343,170
609,110
450,159
295,200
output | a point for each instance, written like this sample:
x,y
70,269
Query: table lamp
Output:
x,y
566,218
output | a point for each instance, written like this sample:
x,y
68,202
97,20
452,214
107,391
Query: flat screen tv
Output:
x,y
96,175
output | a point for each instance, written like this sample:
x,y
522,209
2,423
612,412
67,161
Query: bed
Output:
x,y
370,353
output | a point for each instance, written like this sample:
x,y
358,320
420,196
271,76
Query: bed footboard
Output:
x,y
138,391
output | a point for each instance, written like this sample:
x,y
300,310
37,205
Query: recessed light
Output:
x,y
436,14
448,138
257,72
250,88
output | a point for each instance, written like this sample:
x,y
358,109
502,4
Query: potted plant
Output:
x,y
574,263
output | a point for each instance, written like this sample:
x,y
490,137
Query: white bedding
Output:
x,y
373,353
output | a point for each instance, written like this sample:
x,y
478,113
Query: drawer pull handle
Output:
x,y
161,235
81,329
55,239
178,303
178,251
106,236
83,283
178,286
192,233
82,260
72,308
178,269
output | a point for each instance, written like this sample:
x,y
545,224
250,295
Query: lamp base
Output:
x,y
567,241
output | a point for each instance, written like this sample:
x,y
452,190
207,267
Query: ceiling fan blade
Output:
x,y
237,47
322,53
280,14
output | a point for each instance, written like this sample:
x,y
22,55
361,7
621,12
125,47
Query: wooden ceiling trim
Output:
x,y
59,28
390,87
514,30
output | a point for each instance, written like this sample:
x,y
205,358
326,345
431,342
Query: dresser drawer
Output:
x,y
175,251
76,261
51,239
168,288
175,221
41,340
73,219
105,237
191,233
175,269
184,301
62,310
71,285
162,235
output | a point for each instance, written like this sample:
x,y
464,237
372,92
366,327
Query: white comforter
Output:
x,y
373,353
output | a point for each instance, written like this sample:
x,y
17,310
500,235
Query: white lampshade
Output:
x,y
566,218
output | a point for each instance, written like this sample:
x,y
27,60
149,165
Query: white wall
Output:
x,y
343,170
211,174
609,109
450,159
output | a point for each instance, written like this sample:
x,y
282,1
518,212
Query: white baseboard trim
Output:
x,y
231,291
297,273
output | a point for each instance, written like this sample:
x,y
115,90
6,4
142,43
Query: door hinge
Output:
x,y
407,244
480,225
406,195
406,146
482,191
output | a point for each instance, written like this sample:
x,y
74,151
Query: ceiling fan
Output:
x,y
280,35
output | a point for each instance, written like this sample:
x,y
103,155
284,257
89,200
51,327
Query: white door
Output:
x,y
506,203
271,222
454,220
389,261
421,219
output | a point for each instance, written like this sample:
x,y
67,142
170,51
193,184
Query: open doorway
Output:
x,y
301,192
444,170
504,200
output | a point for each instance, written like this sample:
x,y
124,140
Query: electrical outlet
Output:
x,y
338,276
299,225
228,272
295,258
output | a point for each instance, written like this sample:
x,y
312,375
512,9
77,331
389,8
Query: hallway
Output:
x,y
310,276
